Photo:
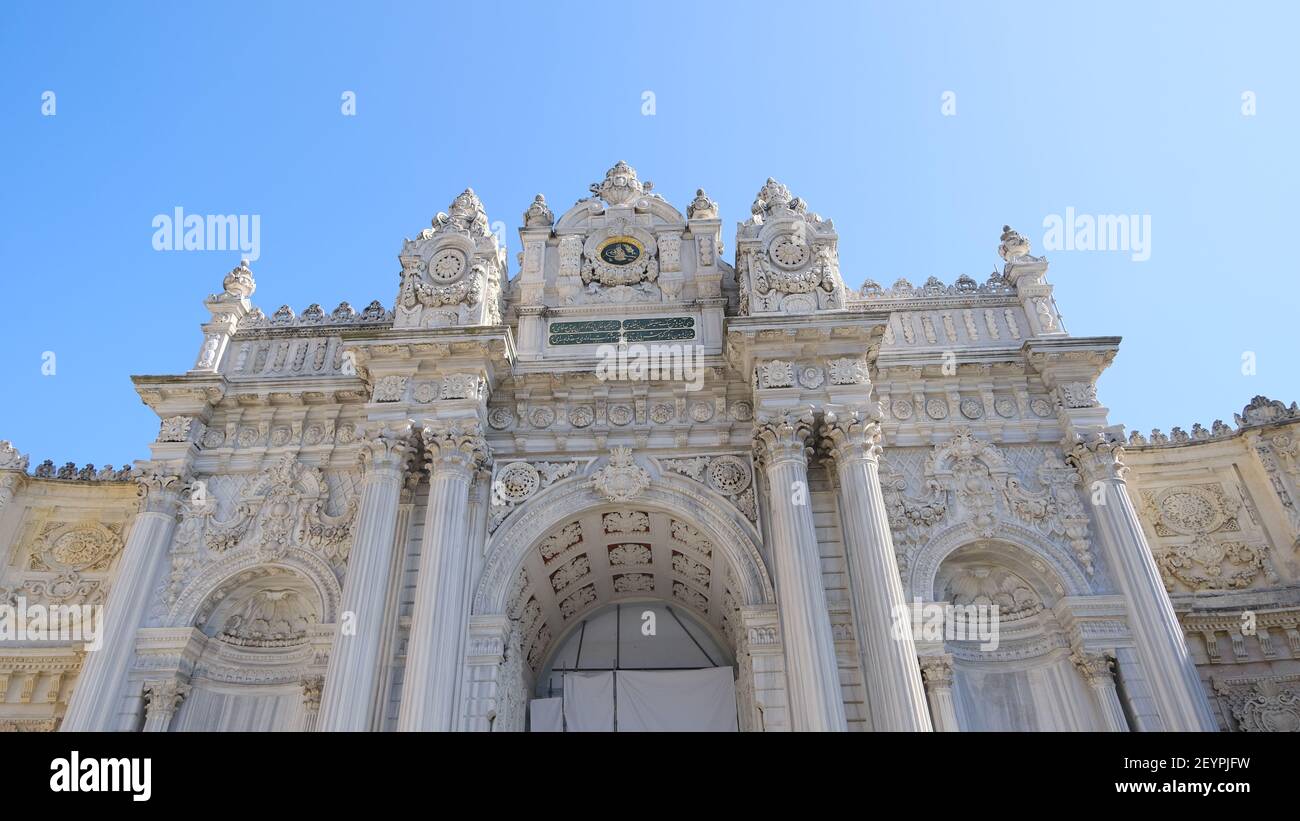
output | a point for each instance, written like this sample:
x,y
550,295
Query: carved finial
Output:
x,y
773,196
1262,410
702,208
620,185
10,458
239,282
539,214
466,215
1013,245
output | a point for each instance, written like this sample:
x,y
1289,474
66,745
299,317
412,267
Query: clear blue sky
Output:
x,y
233,108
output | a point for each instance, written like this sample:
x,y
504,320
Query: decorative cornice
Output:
x,y
1261,412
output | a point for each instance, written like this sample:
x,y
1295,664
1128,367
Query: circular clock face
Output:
x,y
789,254
620,251
447,266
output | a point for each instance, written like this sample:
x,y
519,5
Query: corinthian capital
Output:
x,y
162,698
1098,455
1095,667
312,688
783,435
160,488
386,448
455,444
936,670
852,433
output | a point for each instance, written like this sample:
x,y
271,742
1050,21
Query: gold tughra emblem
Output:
x,y
620,250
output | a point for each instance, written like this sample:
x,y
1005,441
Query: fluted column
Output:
x,y
937,674
99,689
438,622
1097,671
893,679
162,700
812,673
1159,638
355,661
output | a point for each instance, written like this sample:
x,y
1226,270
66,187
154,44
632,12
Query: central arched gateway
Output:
x,y
561,561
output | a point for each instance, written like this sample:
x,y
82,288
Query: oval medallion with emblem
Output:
x,y
620,250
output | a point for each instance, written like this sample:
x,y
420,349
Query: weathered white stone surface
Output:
x,y
392,519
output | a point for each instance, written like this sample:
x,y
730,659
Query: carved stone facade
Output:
x,y
397,518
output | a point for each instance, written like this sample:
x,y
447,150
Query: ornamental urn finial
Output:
x,y
466,215
539,214
1014,245
239,282
620,185
774,197
702,208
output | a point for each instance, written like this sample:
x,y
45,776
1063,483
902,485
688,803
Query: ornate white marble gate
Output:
x,y
579,545
384,519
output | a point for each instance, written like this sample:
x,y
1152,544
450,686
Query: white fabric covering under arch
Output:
x,y
677,700
546,715
631,701
589,702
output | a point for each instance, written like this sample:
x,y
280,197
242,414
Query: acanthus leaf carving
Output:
x,y
286,506
622,479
